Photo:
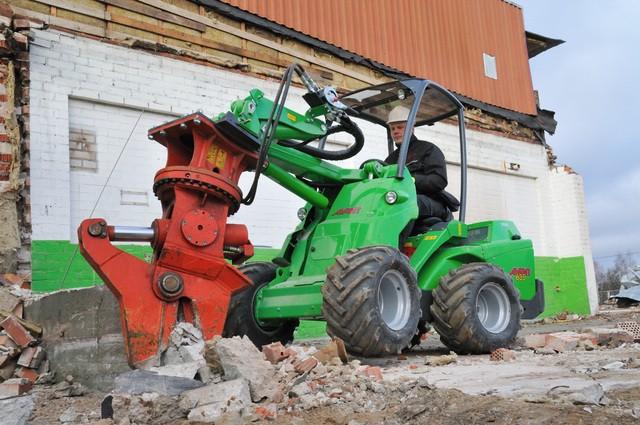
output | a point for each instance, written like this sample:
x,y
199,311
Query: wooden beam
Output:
x,y
69,5
168,32
138,7
60,22
259,40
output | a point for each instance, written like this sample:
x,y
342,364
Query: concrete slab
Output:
x,y
82,334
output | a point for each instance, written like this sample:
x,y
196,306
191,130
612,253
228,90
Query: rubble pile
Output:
x,y
243,383
22,359
588,339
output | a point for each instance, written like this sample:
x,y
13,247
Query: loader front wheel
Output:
x,y
241,318
476,309
371,301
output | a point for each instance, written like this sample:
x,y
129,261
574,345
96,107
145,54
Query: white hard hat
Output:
x,y
399,113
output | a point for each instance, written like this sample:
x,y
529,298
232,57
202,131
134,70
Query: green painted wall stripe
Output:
x,y
564,278
51,260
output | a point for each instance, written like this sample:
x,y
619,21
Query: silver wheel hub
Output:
x,y
493,307
394,300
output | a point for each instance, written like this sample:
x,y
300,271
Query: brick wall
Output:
x,y
15,230
78,83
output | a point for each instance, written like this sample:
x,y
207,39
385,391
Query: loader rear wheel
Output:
x,y
371,301
476,309
241,319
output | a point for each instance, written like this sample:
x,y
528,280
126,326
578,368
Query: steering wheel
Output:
x,y
379,161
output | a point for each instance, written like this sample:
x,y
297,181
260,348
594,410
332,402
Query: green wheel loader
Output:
x,y
361,259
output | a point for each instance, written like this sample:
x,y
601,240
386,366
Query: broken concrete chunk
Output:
x,y
186,345
589,395
14,387
183,370
613,365
16,410
238,358
17,332
213,402
147,408
144,381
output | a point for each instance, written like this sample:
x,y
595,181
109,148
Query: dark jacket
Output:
x,y
426,164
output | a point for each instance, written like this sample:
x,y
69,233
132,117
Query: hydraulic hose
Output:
x,y
345,125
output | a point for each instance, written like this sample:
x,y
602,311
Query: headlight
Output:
x,y
391,197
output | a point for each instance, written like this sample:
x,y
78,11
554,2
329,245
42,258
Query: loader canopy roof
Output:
x,y
376,102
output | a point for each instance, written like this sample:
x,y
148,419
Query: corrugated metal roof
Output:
x,y
442,40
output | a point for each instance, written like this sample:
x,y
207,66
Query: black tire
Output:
x,y
241,319
456,302
353,292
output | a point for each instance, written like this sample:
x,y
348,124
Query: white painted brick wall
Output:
x,y
75,80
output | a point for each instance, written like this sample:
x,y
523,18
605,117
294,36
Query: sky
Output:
x,y
592,81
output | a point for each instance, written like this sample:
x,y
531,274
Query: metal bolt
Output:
x,y
183,125
163,133
197,121
170,283
96,229
150,137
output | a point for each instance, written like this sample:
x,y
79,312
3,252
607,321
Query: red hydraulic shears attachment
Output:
x,y
188,278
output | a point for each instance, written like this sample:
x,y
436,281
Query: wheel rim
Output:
x,y
394,300
493,307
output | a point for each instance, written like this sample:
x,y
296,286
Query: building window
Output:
x,y
490,69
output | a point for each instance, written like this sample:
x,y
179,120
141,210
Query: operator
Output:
x,y
426,164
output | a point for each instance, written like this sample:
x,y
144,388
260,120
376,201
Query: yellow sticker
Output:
x,y
216,157
292,117
430,237
459,228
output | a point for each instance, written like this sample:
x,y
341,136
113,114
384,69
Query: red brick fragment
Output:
x,y
502,355
27,373
17,332
291,353
275,352
26,356
565,341
305,365
6,10
266,412
374,372
6,341
611,337
21,24
10,278
535,340
15,387
632,327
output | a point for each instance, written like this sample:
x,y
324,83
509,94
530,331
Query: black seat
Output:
x,y
424,224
